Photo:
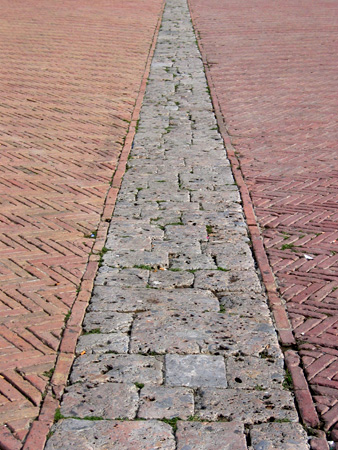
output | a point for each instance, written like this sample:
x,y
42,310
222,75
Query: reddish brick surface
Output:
x,y
273,72
69,78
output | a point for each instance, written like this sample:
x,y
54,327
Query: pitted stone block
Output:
x,y
210,436
103,343
108,401
134,300
170,279
131,259
164,402
247,406
231,281
117,368
195,371
122,278
195,262
255,373
106,434
198,332
108,322
279,436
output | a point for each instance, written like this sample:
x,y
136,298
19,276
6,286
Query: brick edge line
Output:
x,y
302,393
40,428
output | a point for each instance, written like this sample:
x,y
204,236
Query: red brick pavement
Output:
x,y
273,69
70,74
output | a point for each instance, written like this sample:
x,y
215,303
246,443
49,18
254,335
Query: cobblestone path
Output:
x,y
273,66
178,349
64,112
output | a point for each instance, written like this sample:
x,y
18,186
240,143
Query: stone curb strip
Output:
x,y
178,349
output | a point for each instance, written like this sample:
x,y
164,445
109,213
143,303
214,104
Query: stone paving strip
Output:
x,y
178,349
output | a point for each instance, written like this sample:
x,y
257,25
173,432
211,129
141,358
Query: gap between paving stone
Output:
x,y
179,350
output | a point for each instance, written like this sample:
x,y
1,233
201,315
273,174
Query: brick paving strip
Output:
x,y
178,349
64,115
272,71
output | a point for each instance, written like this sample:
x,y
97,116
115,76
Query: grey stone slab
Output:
x,y
196,262
170,280
164,402
234,256
108,322
136,258
247,406
122,278
103,343
251,372
132,300
210,436
107,400
246,305
117,368
230,221
111,435
197,332
195,371
279,436
231,281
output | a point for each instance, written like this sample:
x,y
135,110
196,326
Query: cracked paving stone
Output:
x,y
245,305
106,434
278,436
133,300
198,262
117,368
125,258
108,401
195,332
210,436
103,343
248,406
164,402
195,371
249,372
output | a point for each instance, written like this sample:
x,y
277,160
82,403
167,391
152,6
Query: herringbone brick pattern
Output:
x,y
69,76
275,72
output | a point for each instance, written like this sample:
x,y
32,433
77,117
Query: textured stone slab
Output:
x,y
210,436
130,259
251,372
117,368
232,281
103,343
248,406
279,436
171,280
131,300
246,305
187,262
110,276
201,332
108,435
108,322
195,371
108,401
164,402
234,256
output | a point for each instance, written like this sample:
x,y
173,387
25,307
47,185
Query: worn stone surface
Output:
x,y
164,402
118,435
103,343
177,296
210,436
107,298
108,401
278,436
251,372
248,406
195,371
117,368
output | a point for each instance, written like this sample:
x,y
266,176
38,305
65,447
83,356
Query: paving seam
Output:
x,y
121,262
301,388
36,438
